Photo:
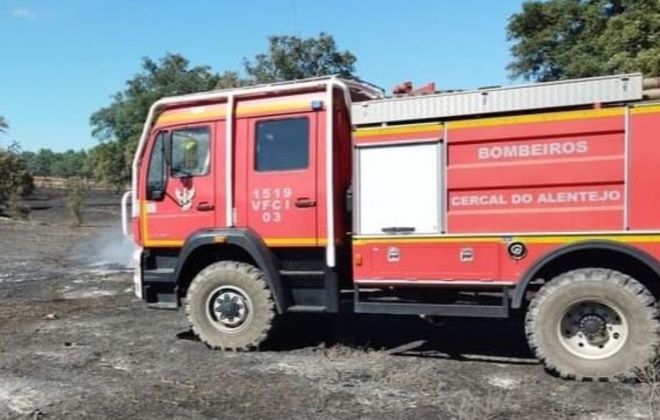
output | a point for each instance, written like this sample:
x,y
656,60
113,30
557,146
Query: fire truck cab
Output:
x,y
325,195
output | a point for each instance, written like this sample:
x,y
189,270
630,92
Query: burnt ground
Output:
x,y
76,343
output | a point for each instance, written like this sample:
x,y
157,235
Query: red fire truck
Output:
x,y
327,195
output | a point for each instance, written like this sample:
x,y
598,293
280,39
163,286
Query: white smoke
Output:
x,y
108,249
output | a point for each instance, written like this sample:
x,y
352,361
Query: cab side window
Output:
x,y
282,145
191,152
156,173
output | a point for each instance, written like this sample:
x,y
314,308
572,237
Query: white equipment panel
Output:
x,y
399,188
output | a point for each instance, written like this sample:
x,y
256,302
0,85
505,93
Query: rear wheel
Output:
x,y
230,307
593,323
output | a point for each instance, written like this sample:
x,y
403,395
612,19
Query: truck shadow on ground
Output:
x,y
488,340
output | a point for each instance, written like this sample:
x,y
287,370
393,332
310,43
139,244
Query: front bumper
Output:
x,y
137,273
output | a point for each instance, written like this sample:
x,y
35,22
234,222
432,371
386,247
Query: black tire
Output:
x,y
593,324
236,282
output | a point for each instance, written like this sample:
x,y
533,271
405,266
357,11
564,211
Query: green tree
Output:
x,y
108,165
119,125
123,119
3,125
232,79
43,163
15,180
292,57
558,39
29,158
68,164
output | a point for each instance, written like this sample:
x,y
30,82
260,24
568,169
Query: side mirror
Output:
x,y
155,194
157,180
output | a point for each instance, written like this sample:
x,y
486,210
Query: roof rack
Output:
x,y
359,89
559,94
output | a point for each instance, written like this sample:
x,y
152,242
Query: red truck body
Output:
x,y
543,180
265,201
347,200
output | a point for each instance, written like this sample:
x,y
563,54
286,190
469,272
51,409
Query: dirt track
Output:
x,y
75,343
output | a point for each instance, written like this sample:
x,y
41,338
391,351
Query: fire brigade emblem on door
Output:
x,y
184,197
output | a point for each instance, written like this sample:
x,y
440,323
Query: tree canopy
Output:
x,y
171,75
558,39
3,125
67,164
292,57
121,122
15,180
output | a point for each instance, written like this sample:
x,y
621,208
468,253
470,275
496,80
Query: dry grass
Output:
x,y
17,209
343,351
384,381
646,393
467,405
49,182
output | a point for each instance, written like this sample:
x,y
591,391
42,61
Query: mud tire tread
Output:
x,y
641,311
250,279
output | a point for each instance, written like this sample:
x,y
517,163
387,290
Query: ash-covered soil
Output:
x,y
76,343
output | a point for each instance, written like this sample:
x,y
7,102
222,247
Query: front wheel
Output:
x,y
593,323
230,307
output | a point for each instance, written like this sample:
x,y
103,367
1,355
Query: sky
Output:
x,y
62,60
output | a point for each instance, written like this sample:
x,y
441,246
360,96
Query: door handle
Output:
x,y
305,202
205,206
398,229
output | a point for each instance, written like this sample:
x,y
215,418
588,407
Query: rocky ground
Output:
x,y
76,343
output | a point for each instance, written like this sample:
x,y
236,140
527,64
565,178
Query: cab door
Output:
x,y
180,192
281,177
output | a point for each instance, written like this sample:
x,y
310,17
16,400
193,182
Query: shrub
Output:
x,y
76,195
15,183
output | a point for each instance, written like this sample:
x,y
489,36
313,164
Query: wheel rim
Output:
x,y
593,329
229,309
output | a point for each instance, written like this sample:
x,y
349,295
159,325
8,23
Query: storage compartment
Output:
x,y
399,189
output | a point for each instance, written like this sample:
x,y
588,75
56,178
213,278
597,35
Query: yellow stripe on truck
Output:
x,y
537,118
532,239
404,129
274,242
218,113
